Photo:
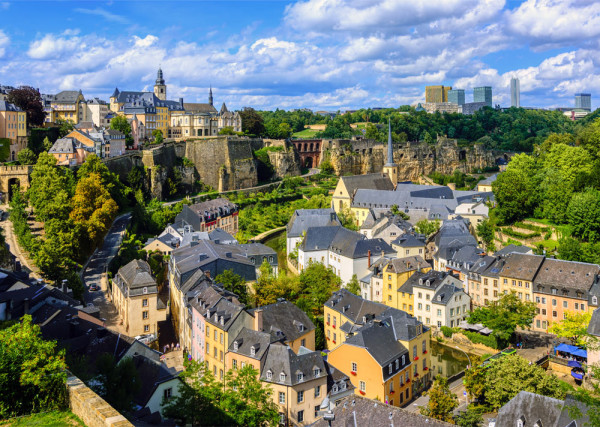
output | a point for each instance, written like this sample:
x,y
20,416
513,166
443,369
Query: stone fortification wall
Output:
x,y
414,159
91,408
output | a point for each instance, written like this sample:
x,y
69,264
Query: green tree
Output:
x,y
475,379
574,327
158,136
509,375
590,397
119,382
227,130
4,149
516,190
47,144
486,232
347,218
65,127
121,124
247,400
505,315
234,283
32,371
26,157
50,188
469,418
584,215
29,100
441,401
316,284
252,122
426,227
353,285
109,180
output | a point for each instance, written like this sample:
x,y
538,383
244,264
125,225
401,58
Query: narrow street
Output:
x,y
96,273
14,248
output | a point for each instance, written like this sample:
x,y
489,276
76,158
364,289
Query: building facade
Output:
x,y
515,92
456,96
437,94
583,101
483,94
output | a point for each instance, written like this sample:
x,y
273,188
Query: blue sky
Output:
x,y
319,54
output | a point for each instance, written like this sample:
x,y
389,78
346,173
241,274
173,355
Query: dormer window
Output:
x,y
595,300
300,376
316,372
282,377
269,375
222,320
252,351
235,346
428,283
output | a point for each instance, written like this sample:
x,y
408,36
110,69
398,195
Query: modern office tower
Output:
x,y
456,96
437,93
583,101
483,94
515,93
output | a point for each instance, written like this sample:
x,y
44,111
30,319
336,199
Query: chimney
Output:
x,y
258,319
369,259
26,306
207,273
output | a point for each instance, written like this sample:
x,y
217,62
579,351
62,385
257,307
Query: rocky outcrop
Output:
x,y
285,163
414,159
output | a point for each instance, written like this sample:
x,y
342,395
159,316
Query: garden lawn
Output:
x,y
49,419
306,133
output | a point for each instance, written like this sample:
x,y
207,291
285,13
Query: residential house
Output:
x,y
452,236
409,245
372,284
68,105
439,299
395,275
347,252
339,386
384,225
298,381
209,215
483,280
486,184
356,411
462,261
97,112
508,249
258,253
285,321
517,274
348,185
69,152
13,126
180,234
249,347
475,212
135,296
302,220
561,287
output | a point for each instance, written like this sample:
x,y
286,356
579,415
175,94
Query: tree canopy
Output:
x,y
574,327
441,401
29,100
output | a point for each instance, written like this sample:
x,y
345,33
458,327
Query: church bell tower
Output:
x,y
160,88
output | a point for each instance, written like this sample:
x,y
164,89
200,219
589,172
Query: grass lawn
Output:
x,y
548,244
306,133
46,419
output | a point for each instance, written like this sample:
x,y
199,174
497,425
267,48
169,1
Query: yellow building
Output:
x,y
68,105
387,357
13,126
436,94
408,245
517,274
395,274
347,185
135,295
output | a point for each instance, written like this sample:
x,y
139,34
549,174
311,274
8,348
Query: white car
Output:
x,y
146,338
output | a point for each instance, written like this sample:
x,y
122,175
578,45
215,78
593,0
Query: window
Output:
x,y
354,367
317,391
282,398
420,306
207,348
252,351
583,306
553,291
281,377
215,333
221,355
235,346
146,328
554,314
543,311
565,304
300,416
300,376
303,342
363,386
316,372
300,396
221,338
439,312
414,351
424,346
334,337
221,374
207,330
144,314
554,302
145,302
167,393
234,363
328,319
215,351
390,368
595,300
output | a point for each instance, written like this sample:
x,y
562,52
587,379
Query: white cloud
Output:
x,y
4,42
111,17
51,46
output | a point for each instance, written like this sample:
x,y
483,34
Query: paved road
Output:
x,y
14,247
95,273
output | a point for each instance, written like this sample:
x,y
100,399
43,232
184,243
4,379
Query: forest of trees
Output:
x,y
513,129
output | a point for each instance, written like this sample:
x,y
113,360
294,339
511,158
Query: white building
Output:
x,y
301,220
347,252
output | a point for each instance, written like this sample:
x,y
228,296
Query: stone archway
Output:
x,y
11,183
308,163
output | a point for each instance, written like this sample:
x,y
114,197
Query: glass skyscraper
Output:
x,y
583,101
515,92
483,94
456,96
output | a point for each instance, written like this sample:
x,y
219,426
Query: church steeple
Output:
x,y
160,88
390,168
210,97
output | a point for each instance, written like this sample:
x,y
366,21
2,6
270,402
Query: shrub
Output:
x,y
446,331
489,341
513,233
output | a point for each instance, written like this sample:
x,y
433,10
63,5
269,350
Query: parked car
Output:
x,y
94,288
146,338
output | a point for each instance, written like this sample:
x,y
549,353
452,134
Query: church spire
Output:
x,y
210,97
390,155
159,77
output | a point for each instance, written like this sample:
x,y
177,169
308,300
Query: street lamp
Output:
x,y
466,354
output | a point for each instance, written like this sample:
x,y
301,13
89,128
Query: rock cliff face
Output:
x,y
414,159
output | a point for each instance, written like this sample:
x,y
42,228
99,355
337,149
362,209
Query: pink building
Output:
x,y
198,328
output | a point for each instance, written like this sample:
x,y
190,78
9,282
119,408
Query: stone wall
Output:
x,y
91,408
414,159
122,165
285,163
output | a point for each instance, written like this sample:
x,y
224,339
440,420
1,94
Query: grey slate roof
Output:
x,y
210,210
64,146
358,411
67,96
223,313
372,181
594,326
196,107
408,241
565,419
343,242
281,359
532,407
444,294
409,263
354,307
285,317
521,267
420,279
7,106
319,238
566,276
302,219
522,249
137,275
247,338
488,180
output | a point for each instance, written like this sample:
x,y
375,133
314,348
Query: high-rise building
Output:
x,y
515,93
437,93
583,101
456,96
483,94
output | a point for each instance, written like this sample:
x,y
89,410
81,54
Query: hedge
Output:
x,y
489,341
531,227
510,232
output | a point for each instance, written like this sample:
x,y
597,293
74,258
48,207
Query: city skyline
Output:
x,y
302,54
